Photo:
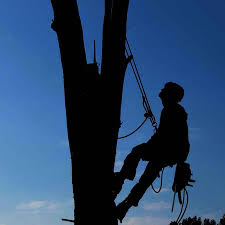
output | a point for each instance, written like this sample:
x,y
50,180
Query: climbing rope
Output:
x,y
145,102
161,182
182,210
134,130
148,111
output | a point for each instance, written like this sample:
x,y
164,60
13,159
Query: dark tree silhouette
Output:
x,y
192,221
198,221
93,106
189,221
209,222
222,220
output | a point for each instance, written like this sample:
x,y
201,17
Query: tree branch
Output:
x,y
67,25
114,62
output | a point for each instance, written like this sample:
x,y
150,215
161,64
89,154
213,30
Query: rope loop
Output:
x,y
182,212
161,181
134,130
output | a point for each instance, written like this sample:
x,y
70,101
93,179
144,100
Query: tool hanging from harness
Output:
x,y
181,181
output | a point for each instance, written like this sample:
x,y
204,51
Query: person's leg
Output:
x,y
128,169
150,174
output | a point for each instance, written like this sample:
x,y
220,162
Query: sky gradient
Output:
x,y
180,41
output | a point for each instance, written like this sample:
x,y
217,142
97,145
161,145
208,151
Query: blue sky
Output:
x,y
180,41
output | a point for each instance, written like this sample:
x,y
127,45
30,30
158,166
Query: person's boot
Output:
x,y
117,184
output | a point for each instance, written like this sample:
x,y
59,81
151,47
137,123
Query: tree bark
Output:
x,y
93,105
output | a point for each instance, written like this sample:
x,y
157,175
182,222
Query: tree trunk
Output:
x,y
93,105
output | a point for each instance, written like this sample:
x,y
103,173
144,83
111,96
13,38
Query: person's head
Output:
x,y
171,93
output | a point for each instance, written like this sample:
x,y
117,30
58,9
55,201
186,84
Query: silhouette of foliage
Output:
x,y
209,222
198,221
192,221
222,220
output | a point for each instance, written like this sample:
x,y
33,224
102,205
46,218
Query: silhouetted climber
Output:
x,y
167,147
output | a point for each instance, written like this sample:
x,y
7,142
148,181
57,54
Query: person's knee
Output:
x,y
137,150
